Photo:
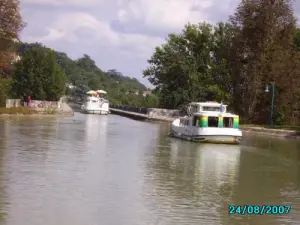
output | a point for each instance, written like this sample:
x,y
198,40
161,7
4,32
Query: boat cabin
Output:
x,y
92,99
198,107
210,114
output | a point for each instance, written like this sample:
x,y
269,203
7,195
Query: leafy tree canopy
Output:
x,y
233,62
10,25
38,75
86,75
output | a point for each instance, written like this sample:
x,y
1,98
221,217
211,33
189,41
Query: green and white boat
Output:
x,y
94,104
207,122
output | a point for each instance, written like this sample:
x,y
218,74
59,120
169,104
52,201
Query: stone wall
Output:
x,y
12,103
36,104
156,112
44,104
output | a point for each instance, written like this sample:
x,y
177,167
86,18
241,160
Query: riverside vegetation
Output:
x,y
233,61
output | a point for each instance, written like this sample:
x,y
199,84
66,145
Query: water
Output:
x,y
110,170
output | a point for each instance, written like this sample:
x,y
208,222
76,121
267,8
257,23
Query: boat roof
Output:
x,y
212,113
209,103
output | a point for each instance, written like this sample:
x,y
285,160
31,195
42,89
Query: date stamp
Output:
x,y
259,209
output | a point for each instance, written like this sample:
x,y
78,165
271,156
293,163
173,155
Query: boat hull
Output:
x,y
99,112
95,108
207,134
216,139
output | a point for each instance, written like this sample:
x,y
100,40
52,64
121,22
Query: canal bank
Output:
x,y
284,133
38,108
156,116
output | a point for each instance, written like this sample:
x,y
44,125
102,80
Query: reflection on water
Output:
x,y
109,170
188,180
195,183
95,127
218,164
4,203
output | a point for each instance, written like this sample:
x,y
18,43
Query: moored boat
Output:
x,y
95,103
208,122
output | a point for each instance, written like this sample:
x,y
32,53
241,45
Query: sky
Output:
x,y
117,34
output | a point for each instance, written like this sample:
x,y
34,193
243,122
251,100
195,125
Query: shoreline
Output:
x,y
250,129
283,133
37,114
257,130
246,129
63,111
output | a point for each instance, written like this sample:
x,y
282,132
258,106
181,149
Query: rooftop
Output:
x,y
207,103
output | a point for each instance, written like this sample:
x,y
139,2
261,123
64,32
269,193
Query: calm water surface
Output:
x,y
110,170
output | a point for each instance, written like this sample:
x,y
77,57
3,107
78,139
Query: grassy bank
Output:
x,y
25,111
275,127
18,110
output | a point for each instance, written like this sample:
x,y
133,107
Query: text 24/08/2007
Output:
x,y
259,209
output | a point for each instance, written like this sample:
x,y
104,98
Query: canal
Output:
x,y
111,170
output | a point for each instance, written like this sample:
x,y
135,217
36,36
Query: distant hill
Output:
x,y
84,71
85,74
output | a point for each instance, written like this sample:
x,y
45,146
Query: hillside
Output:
x,y
86,75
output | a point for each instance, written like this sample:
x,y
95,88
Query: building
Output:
x,y
145,93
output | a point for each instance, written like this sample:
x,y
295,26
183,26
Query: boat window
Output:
x,y
94,101
194,108
228,122
210,108
195,120
213,121
184,122
181,123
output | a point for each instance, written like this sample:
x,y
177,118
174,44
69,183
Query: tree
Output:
x,y
184,69
86,75
222,80
10,26
233,62
38,75
297,40
262,51
151,101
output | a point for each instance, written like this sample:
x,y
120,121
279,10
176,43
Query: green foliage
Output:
x,y
233,62
50,111
38,75
5,88
180,68
297,40
279,117
192,66
3,94
85,75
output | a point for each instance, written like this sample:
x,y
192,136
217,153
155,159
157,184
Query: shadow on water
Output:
x,y
30,135
75,107
197,182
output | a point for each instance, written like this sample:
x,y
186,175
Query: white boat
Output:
x,y
207,122
95,104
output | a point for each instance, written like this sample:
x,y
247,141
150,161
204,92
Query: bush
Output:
x,y
50,111
279,117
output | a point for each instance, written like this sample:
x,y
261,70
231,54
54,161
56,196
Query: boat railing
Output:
x,y
130,108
